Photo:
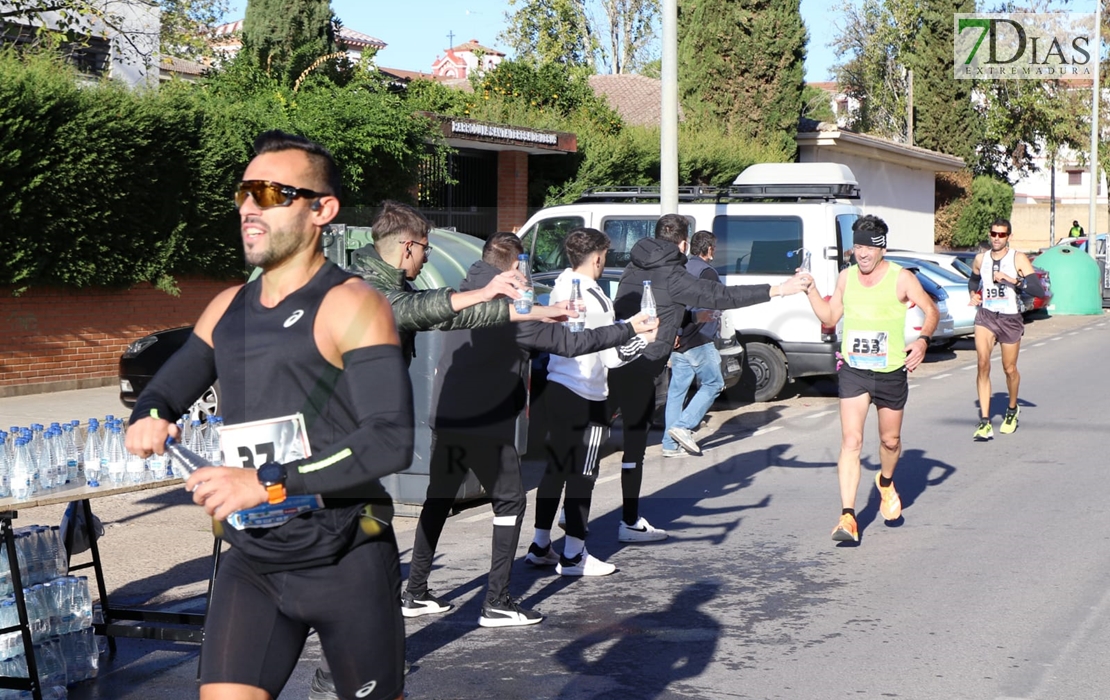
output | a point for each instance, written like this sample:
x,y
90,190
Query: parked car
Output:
x,y
143,358
954,284
948,261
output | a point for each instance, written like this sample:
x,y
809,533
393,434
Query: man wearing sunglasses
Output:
x,y
302,342
999,321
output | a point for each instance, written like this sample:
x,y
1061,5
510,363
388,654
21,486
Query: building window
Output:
x,y
1075,177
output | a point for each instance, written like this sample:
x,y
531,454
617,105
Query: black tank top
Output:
x,y
269,366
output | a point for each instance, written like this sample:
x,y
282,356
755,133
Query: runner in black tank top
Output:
x,y
296,350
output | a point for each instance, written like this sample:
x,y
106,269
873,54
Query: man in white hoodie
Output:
x,y
576,406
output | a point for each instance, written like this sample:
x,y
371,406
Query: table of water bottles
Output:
x,y
43,607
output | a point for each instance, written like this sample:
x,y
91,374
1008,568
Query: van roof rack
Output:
x,y
686,193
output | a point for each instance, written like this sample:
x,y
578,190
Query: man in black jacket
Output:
x,y
479,394
662,260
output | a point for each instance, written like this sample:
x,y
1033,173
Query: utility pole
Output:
x,y
1092,227
909,107
668,117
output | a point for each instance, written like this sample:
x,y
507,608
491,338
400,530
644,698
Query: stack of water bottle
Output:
x,y
36,460
59,612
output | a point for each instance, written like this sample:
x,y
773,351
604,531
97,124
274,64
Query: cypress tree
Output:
x,y
286,36
944,117
741,67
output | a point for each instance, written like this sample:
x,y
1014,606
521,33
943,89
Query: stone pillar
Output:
x,y
512,190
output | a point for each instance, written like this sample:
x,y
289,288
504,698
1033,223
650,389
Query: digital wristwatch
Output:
x,y
272,476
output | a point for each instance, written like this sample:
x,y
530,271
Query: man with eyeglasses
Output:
x,y
395,258
999,321
298,344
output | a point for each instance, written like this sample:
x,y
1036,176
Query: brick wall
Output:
x,y
512,190
57,339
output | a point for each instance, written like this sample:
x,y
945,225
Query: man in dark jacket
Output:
x,y
695,356
662,260
480,391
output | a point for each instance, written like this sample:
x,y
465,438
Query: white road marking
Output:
x,y
942,376
604,479
820,414
769,429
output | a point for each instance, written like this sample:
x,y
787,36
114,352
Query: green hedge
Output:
x,y
101,185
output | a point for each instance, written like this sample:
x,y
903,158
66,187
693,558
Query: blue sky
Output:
x,y
417,33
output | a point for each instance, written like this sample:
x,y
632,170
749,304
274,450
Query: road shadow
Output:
x,y
916,472
642,655
999,402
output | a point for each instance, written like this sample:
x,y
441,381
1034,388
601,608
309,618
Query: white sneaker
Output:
x,y
685,440
584,565
642,531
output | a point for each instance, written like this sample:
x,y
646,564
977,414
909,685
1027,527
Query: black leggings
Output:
x,y
578,428
632,390
497,467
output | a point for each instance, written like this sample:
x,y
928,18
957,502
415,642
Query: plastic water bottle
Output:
x,y
195,441
523,305
213,449
23,471
647,301
135,468
5,468
116,456
185,460
576,303
91,456
72,453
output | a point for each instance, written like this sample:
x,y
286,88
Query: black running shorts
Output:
x,y
887,389
1007,328
257,623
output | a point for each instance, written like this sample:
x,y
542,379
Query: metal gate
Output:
x,y
462,194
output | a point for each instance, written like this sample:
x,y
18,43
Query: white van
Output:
x,y
765,224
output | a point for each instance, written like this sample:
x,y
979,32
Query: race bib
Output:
x,y
867,349
994,298
252,444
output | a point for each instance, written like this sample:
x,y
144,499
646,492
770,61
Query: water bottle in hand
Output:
x,y
523,305
576,303
647,301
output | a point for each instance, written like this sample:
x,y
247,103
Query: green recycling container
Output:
x,y
1076,281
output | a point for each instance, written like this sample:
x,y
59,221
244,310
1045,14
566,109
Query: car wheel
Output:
x,y
764,373
207,405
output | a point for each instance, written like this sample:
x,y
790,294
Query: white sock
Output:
x,y
572,547
542,538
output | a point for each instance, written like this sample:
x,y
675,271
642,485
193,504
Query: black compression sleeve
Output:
x,y
973,283
179,382
377,382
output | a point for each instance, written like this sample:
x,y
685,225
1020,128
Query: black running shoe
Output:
x,y
506,613
417,604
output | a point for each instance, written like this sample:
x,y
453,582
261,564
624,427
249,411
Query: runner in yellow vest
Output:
x,y
871,296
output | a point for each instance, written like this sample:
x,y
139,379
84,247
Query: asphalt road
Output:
x,y
990,586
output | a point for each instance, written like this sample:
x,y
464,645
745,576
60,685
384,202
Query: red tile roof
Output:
x,y
636,98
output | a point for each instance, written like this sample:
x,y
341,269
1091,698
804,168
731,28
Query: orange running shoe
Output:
x,y
845,530
891,507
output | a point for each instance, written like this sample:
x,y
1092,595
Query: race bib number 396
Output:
x,y
867,349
